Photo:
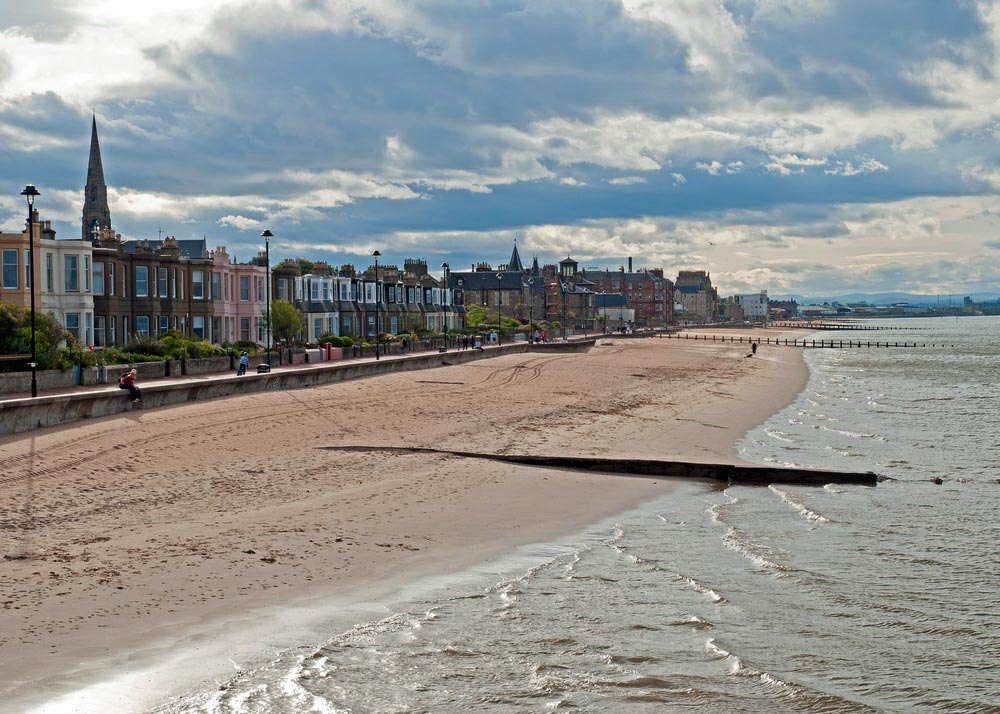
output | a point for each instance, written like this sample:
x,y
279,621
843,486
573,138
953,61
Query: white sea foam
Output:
x,y
779,435
703,589
806,512
736,541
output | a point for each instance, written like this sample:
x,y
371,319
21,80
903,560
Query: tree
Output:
x,y
15,334
286,321
476,315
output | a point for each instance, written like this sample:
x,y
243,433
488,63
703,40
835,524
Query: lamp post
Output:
x,y
267,235
30,193
376,255
621,305
499,277
444,300
565,299
531,304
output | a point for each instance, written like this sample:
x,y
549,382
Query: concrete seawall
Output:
x,y
19,415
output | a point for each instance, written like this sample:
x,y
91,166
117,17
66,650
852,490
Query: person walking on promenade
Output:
x,y
128,382
404,345
244,363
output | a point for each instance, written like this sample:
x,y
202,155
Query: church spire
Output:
x,y
515,261
96,214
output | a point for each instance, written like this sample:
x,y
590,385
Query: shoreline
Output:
x,y
160,539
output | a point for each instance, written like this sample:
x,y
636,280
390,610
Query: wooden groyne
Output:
x,y
784,342
832,326
728,473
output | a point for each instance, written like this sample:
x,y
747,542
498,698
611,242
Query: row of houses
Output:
x,y
106,290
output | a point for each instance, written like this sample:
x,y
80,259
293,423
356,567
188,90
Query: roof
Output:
x,y
193,249
487,280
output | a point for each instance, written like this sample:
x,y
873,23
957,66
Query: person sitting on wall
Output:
x,y
127,381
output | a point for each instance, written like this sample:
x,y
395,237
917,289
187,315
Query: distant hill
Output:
x,y
890,298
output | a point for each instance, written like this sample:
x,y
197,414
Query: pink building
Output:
x,y
238,298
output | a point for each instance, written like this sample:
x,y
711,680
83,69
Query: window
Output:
x,y
394,324
73,325
111,279
10,270
283,289
314,290
111,331
317,327
245,288
371,325
28,270
71,264
141,285
346,327
260,290
216,330
98,278
343,291
198,326
244,329
163,275
86,273
88,333
216,286
198,287
182,283
125,286
142,325
173,285
164,323
369,292
48,272
99,340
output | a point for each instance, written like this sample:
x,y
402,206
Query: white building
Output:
x,y
755,305
66,282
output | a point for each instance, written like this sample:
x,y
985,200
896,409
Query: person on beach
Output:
x,y
128,382
244,363
753,348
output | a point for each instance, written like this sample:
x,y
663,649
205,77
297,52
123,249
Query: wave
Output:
x,y
703,589
852,434
801,508
736,541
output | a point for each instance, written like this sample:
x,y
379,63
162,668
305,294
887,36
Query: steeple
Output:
x,y
96,215
515,261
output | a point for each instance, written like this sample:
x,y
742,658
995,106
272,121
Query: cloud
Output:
x,y
865,165
241,222
446,128
626,180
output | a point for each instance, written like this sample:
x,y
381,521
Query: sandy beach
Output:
x,y
156,551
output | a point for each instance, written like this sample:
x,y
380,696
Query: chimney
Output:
x,y
630,264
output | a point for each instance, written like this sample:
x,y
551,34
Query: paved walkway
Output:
x,y
112,385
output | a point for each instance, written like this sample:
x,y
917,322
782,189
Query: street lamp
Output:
x,y
444,300
267,235
30,192
531,304
621,305
376,255
499,277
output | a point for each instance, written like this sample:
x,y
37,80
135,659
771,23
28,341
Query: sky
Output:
x,y
793,146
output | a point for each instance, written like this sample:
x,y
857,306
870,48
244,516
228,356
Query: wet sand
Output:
x,y
165,548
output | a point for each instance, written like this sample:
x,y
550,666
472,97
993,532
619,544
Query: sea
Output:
x,y
784,598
